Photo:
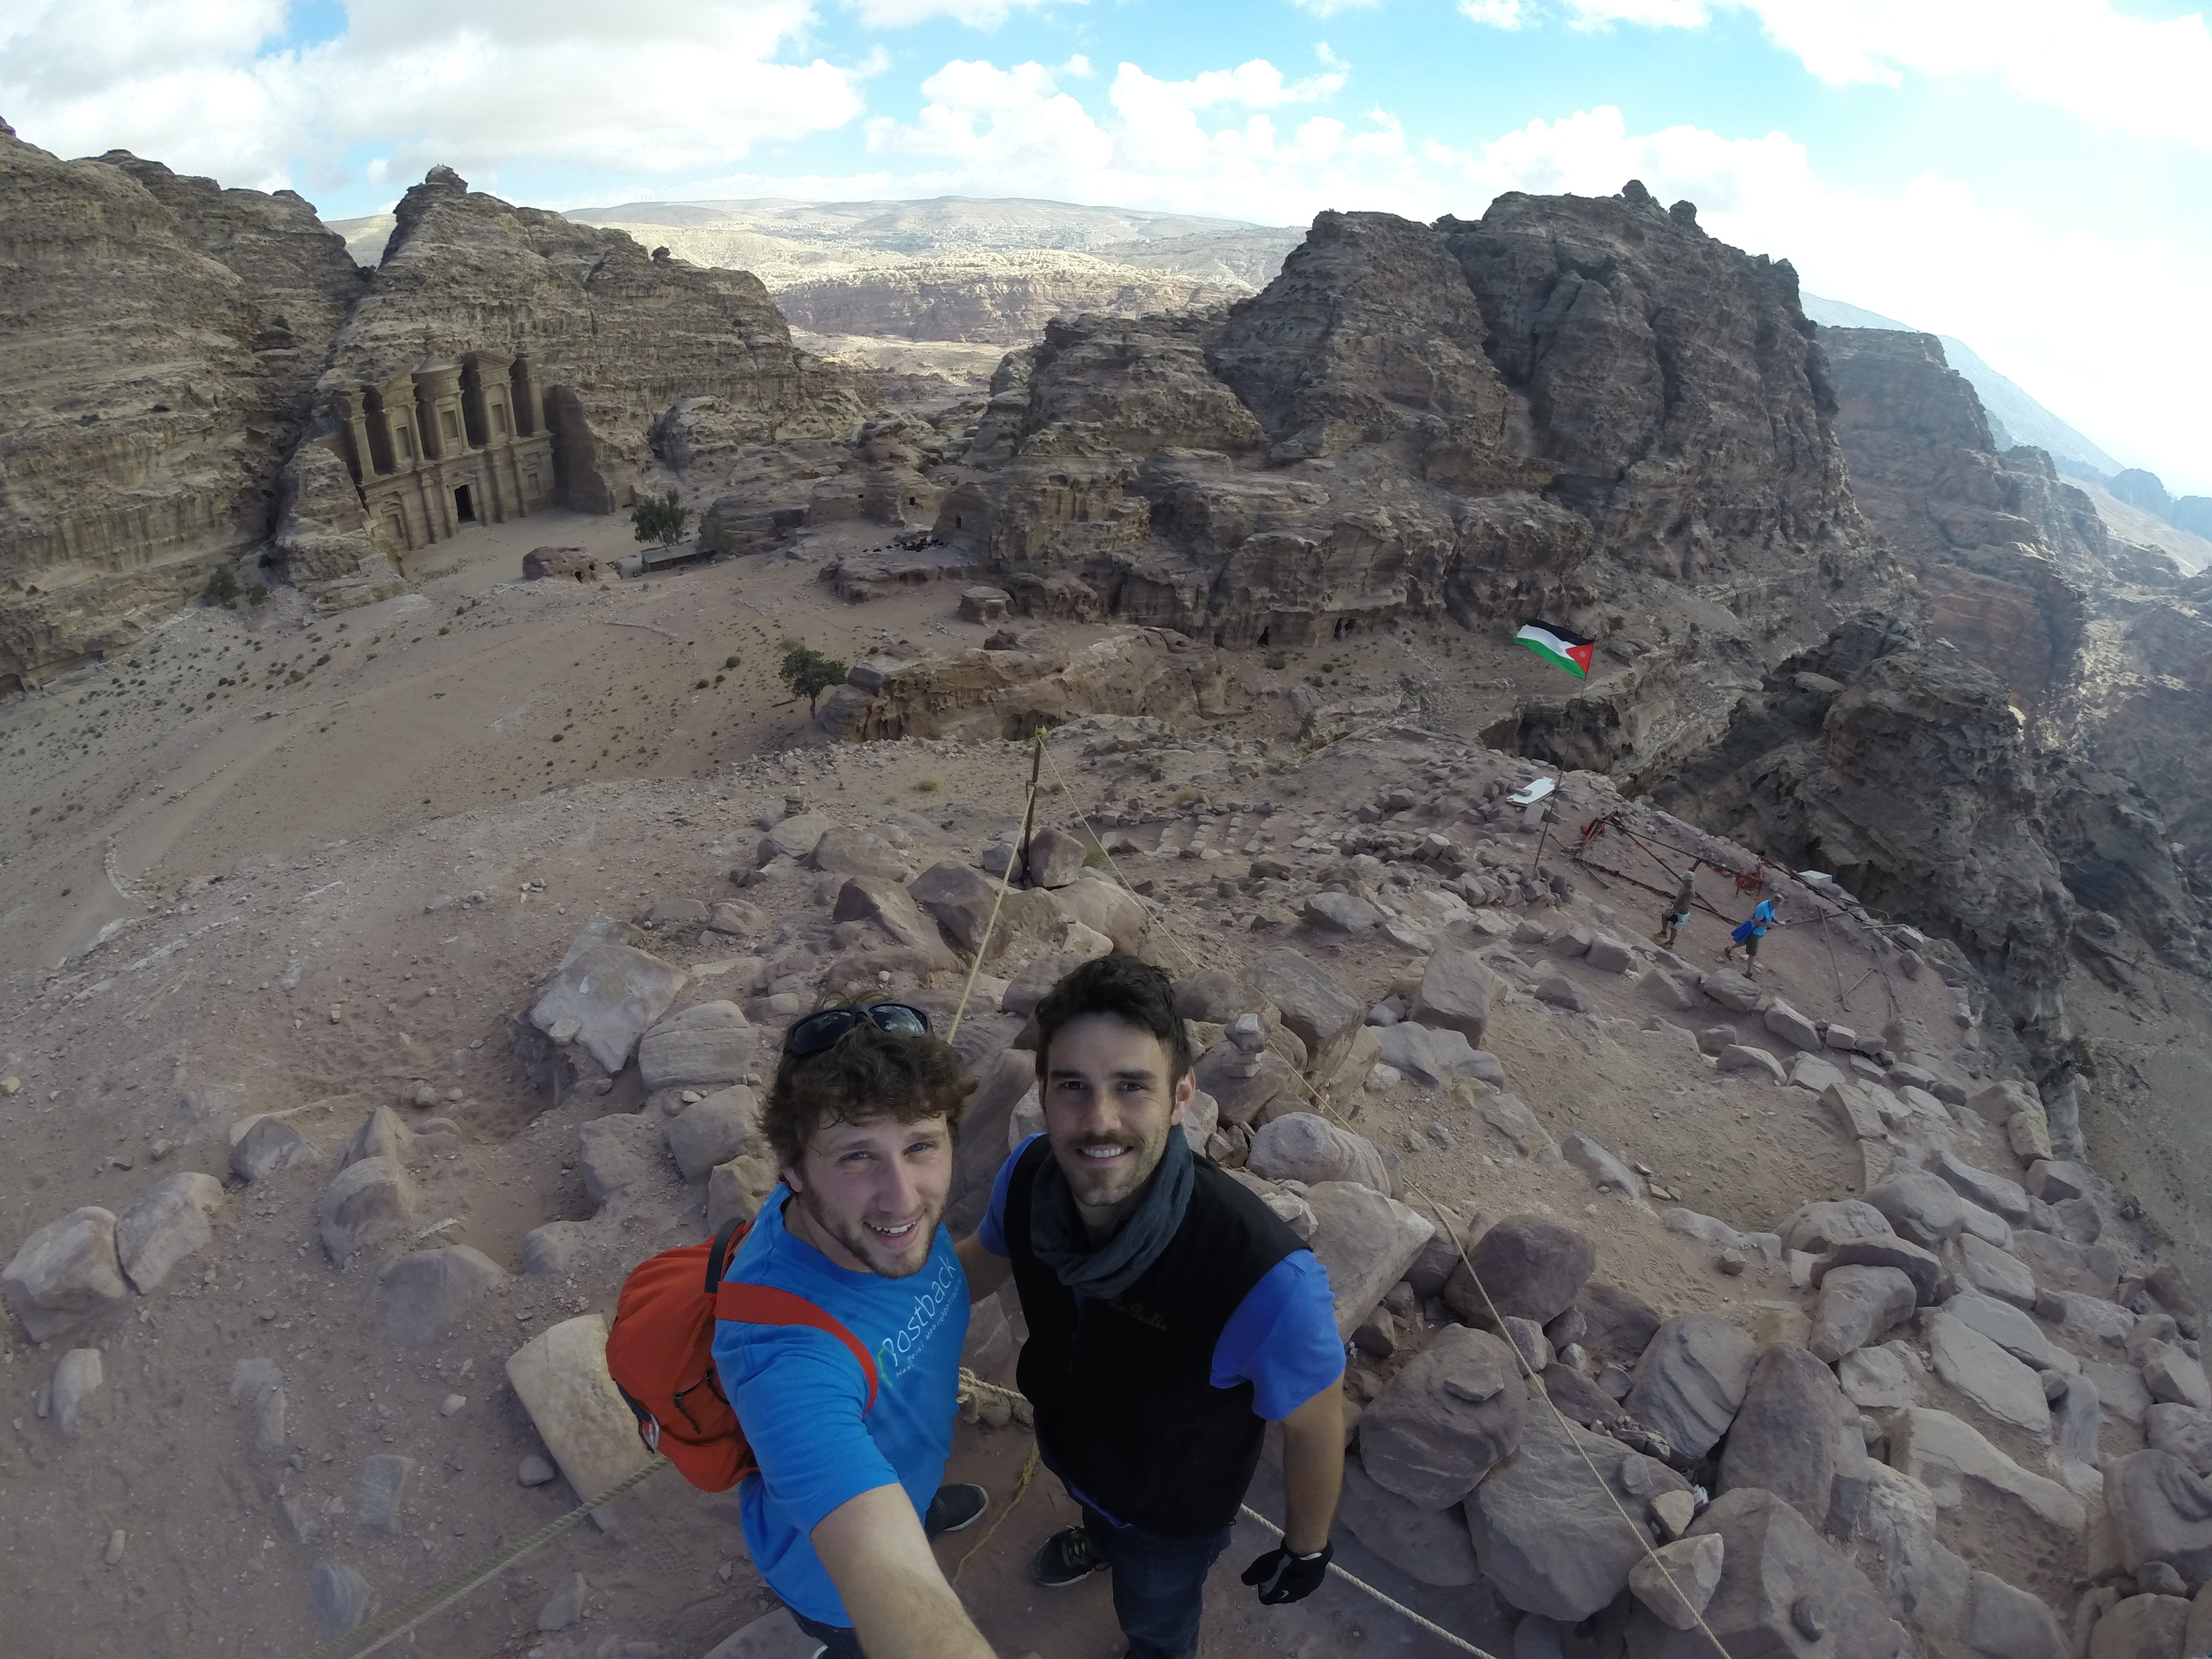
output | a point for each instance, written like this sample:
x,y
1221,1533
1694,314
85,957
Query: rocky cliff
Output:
x,y
615,336
1587,408
164,336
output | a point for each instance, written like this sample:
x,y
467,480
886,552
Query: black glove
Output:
x,y
1282,1576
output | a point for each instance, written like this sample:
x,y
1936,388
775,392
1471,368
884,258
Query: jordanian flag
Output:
x,y
1562,647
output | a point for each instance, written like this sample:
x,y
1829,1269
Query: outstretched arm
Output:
x,y
900,1606
1313,1470
986,1272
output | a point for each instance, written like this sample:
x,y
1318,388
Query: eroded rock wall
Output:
x,y
164,334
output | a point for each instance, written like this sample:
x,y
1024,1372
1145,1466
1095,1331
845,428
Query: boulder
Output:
x,y
1923,1267
2056,1180
2078,1421
2159,1511
1739,1056
1335,911
1616,1323
384,1135
1920,1207
1246,1100
560,1376
1035,981
1430,1546
795,837
1436,1058
736,1190
1676,1581
1859,1306
1109,908
712,1129
1690,1380
2182,1431
1993,1193
1668,990
1549,1538
706,1046
738,919
1454,993
1556,990
1531,1267
957,896
1609,954
2169,1372
429,1291
1056,857
65,1273
1995,1273
1785,1437
2142,1627
1949,1458
2009,1623
1881,1378
2086,1320
1442,1422
857,852
606,995
1318,1011
77,1379
1364,1239
1306,1147
1732,991
1818,1227
2197,1639
881,901
1977,1368
261,1146
1783,1591
164,1225
342,1597
2004,1325
1606,1173
1792,1027
617,1151
369,1203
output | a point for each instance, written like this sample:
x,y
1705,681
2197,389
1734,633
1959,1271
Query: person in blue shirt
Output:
x,y
1171,1315
861,1117
1750,933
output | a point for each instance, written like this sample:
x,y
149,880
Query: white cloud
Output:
x,y
559,85
976,14
2150,77
1497,14
1330,8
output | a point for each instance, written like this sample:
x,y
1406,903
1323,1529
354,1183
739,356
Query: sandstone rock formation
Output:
x,y
1003,300
164,334
479,308
1412,421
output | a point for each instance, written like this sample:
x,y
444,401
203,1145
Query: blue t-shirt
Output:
x,y
803,1400
1282,1338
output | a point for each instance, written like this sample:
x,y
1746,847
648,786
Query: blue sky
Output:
x,y
2029,175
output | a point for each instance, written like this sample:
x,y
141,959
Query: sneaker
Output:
x,y
955,1508
1065,1558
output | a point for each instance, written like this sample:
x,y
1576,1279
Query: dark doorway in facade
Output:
x,y
464,509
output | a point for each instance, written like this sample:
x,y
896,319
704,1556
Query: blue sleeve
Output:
x,y
803,1401
1282,1338
993,1230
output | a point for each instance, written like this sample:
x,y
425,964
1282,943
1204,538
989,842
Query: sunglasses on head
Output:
x,y
820,1031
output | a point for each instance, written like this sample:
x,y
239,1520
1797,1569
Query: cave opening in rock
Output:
x,y
464,509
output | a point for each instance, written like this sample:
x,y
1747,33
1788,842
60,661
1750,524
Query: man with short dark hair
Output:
x,y
1171,1317
862,1118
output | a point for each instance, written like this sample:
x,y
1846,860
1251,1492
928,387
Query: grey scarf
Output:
x,y
1055,1231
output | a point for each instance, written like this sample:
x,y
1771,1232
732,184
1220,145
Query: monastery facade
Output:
x,y
448,445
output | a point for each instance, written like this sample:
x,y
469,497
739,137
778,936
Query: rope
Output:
x,y
1005,880
1533,1381
1399,1608
401,1620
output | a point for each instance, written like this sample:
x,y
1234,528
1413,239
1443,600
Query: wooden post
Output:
x,y
1029,811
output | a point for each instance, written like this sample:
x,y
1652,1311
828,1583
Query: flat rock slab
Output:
x,y
1548,1537
1446,1420
1981,1371
2159,1511
708,1046
1784,1439
1306,1147
560,1376
1947,1456
1531,1267
1732,991
604,997
1429,1545
1996,1274
1365,1240
1691,1379
1821,1226
429,1291
1321,1013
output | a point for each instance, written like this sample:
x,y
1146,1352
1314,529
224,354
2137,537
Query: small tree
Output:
x,y
660,518
222,586
810,673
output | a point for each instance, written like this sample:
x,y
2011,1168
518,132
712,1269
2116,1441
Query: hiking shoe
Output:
x,y
955,1508
1065,1558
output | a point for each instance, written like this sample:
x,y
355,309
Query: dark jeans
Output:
x,y
1159,1584
842,1640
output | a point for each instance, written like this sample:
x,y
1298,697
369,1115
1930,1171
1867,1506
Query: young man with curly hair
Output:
x,y
1171,1317
862,1118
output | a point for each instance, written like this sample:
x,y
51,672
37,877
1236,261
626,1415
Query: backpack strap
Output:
x,y
718,1252
764,1305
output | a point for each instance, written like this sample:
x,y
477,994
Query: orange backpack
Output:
x,y
661,1355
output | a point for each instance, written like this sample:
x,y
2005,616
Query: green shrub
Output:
x,y
660,518
809,673
222,586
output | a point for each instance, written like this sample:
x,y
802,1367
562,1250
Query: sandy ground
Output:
x,y
333,892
